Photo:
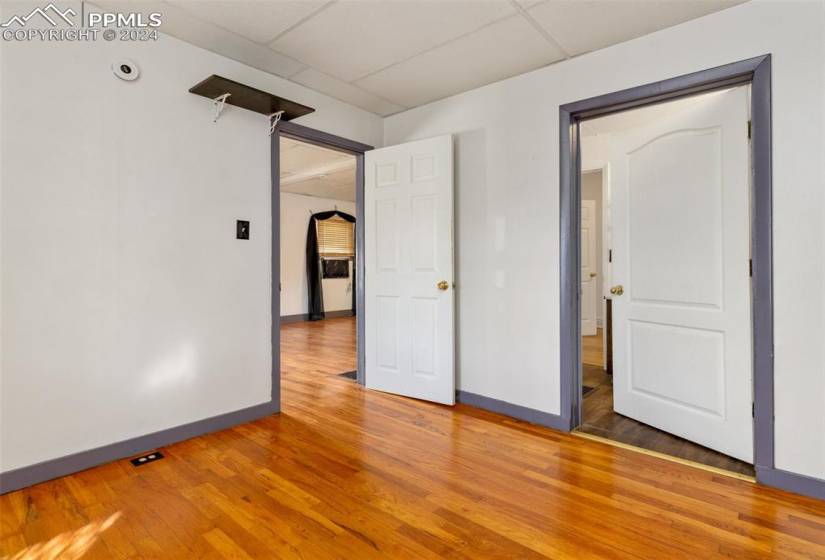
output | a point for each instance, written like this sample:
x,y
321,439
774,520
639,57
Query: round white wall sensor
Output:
x,y
126,69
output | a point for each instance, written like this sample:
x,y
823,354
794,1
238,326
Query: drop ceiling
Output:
x,y
388,56
315,171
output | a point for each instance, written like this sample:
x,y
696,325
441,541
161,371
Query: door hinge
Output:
x,y
753,410
749,129
750,267
610,255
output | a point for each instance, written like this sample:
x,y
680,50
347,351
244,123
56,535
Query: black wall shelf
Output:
x,y
249,97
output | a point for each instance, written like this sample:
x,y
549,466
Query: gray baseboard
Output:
x,y
792,482
336,314
62,466
513,410
301,317
777,478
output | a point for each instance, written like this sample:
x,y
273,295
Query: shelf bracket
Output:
x,y
275,119
220,103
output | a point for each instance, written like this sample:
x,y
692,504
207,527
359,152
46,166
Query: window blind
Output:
x,y
336,238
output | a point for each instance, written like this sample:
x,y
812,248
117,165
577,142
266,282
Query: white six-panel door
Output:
x,y
681,250
409,307
589,297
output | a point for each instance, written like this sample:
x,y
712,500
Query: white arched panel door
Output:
x,y
409,292
681,252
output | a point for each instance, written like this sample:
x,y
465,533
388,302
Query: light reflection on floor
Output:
x,y
70,545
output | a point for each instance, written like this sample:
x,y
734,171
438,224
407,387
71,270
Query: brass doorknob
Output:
x,y
617,290
443,285
592,275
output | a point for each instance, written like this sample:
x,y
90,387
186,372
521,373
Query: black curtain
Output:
x,y
314,290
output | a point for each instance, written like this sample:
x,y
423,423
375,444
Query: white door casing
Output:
x,y
681,250
589,297
408,227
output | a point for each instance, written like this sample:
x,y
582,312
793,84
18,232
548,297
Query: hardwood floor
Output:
x,y
318,347
593,350
347,473
599,419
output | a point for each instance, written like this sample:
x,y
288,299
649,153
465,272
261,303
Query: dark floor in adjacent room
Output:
x,y
599,419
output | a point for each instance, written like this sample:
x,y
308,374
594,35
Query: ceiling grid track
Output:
x,y
298,24
430,49
537,26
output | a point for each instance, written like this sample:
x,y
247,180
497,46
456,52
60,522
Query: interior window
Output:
x,y
336,238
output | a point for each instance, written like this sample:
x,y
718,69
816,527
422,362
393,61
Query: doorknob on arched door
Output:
x,y
617,290
443,285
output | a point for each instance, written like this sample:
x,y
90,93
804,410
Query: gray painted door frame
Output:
x,y
755,71
312,136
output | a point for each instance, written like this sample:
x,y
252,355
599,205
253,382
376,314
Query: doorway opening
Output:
x,y
320,188
665,242
403,204
691,352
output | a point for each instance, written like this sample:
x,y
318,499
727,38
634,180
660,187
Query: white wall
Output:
x,y
295,212
128,306
507,206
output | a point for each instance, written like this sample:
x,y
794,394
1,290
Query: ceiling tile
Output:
x,y
346,92
339,185
316,171
503,49
587,25
257,21
302,158
351,39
